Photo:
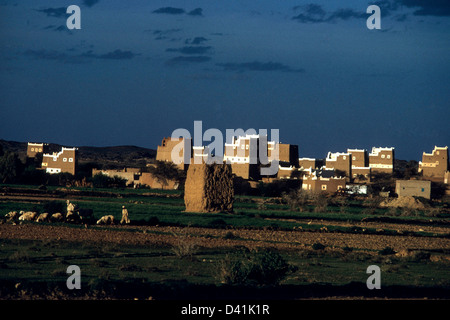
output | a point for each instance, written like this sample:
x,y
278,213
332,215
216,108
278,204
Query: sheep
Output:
x,y
43,217
28,216
106,220
12,215
56,217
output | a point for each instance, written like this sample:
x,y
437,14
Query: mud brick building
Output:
x,y
183,149
131,175
36,148
307,163
360,164
339,161
287,153
413,188
382,160
63,161
243,153
434,165
321,184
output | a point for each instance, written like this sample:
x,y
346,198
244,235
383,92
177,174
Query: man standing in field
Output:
x,y
125,218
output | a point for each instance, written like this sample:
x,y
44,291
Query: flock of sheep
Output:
x,y
79,216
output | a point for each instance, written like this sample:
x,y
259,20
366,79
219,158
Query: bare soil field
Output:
x,y
217,238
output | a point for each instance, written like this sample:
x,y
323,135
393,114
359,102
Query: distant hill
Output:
x,y
109,157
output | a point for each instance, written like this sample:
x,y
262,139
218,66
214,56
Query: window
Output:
x,y
339,187
354,158
32,149
324,187
388,156
344,157
70,159
423,189
40,149
64,159
382,156
437,152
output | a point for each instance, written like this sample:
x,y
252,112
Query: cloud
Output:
x,y
183,60
310,13
169,10
177,11
54,55
314,13
59,28
114,55
78,58
118,55
191,50
346,14
163,34
196,12
90,3
196,40
438,8
54,12
257,66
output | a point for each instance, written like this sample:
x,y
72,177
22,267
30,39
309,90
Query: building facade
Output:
x,y
36,148
321,184
60,162
434,164
178,151
413,188
382,160
339,161
307,163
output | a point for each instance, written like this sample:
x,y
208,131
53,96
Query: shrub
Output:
x,y
103,181
184,247
296,200
386,251
320,201
230,235
255,268
318,246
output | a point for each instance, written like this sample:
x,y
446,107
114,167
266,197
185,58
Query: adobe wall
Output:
x,y
209,188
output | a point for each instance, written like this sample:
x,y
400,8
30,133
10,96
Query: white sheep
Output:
x,y
43,217
12,215
28,216
106,220
56,217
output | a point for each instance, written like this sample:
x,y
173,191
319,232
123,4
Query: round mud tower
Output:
x,y
209,188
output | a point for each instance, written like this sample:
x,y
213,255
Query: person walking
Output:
x,y
125,218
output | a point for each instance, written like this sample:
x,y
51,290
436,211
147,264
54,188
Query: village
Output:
x,y
350,171
167,230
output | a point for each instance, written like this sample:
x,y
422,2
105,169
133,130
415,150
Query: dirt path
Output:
x,y
373,225
211,238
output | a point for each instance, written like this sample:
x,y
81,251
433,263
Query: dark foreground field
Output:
x,y
166,253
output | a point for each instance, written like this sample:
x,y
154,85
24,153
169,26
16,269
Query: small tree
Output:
x,y
256,268
165,171
296,199
10,167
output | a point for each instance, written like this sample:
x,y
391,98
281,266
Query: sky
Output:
x,y
139,69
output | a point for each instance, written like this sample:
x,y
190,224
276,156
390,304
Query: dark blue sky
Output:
x,y
137,70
